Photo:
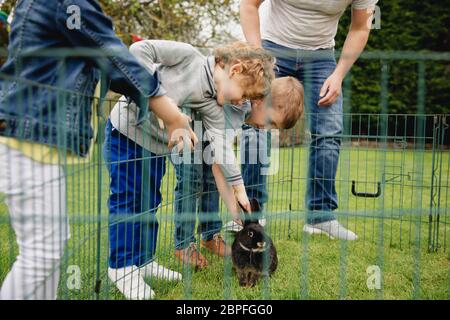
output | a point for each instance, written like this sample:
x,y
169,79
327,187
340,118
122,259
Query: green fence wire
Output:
x,y
393,183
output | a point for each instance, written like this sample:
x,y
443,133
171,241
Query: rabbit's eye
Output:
x,y
250,234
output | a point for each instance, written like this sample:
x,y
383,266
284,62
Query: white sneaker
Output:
x,y
232,226
157,271
332,229
130,282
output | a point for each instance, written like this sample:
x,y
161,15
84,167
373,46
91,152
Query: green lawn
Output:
x,y
393,233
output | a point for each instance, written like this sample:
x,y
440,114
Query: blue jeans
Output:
x,y
135,195
195,192
255,157
312,68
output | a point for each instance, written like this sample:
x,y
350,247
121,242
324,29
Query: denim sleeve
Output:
x,y
125,74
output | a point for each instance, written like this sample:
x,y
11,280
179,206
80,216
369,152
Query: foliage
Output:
x,y
199,22
406,26
196,21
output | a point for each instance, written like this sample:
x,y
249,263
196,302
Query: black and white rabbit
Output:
x,y
253,252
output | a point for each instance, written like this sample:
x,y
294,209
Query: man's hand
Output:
x,y
180,133
354,44
331,90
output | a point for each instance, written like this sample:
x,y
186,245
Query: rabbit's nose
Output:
x,y
261,244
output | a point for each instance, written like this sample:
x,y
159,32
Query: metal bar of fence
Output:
x,y
345,195
420,166
366,55
384,96
432,224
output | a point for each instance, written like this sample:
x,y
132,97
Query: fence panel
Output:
x,y
393,186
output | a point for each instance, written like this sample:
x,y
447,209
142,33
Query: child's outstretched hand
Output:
x,y
181,133
241,197
176,122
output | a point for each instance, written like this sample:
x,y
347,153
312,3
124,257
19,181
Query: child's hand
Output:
x,y
180,132
241,197
176,122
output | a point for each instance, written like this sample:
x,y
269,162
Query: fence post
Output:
x,y
438,151
383,120
419,167
291,186
101,129
344,168
432,241
441,149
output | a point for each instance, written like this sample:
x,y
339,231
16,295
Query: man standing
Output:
x,y
300,34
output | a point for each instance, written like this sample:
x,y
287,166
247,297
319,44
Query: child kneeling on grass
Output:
x,y
135,153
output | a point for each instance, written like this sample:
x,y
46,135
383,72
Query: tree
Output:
x,y
7,5
199,22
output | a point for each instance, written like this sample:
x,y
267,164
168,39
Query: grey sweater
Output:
x,y
187,78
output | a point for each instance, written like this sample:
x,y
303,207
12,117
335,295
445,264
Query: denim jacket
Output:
x,y
46,97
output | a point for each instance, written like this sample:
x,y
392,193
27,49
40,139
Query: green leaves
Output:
x,y
199,22
405,25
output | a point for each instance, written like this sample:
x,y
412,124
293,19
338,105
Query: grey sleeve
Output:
x,y
221,142
220,124
149,53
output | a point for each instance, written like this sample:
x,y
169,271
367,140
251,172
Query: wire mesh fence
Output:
x,y
392,182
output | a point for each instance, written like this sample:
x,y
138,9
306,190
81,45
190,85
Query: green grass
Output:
x,y
393,234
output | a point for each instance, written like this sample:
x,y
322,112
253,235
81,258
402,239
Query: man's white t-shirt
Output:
x,y
306,24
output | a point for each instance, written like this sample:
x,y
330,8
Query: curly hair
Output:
x,y
257,67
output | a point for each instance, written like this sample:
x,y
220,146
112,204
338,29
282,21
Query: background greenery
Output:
x,y
405,25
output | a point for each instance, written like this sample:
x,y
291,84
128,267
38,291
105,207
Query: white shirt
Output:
x,y
306,24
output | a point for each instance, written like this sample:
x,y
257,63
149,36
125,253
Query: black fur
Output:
x,y
249,265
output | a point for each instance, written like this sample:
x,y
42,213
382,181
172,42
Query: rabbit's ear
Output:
x,y
255,205
254,216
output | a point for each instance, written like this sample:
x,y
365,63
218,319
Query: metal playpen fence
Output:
x,y
393,186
